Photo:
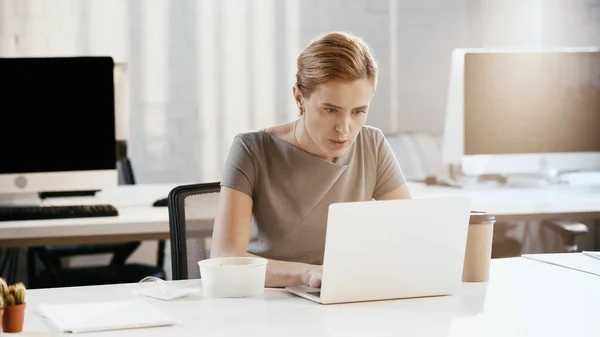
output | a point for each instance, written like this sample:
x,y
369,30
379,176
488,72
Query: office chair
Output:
x,y
192,209
9,261
569,231
55,274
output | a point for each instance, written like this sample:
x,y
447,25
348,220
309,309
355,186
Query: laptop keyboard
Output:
x,y
315,293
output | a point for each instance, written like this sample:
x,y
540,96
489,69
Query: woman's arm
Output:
x,y
232,232
401,192
391,184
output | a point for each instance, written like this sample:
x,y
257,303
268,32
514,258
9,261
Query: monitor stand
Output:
x,y
540,179
528,180
20,199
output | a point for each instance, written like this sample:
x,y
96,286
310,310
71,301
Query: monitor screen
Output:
x,y
57,114
520,103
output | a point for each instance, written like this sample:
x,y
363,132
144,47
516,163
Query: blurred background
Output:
x,y
201,71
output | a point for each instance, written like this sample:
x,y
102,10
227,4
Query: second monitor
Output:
x,y
528,111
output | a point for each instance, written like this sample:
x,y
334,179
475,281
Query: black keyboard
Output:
x,y
13,213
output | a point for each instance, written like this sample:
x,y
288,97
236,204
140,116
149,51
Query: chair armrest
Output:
x,y
567,226
569,230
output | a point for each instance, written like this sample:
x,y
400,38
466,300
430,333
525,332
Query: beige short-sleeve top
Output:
x,y
292,189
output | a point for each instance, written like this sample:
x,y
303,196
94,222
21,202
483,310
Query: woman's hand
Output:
x,y
312,276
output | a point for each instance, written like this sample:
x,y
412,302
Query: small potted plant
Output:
x,y
1,311
14,308
3,291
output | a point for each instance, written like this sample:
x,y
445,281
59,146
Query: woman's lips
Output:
x,y
338,144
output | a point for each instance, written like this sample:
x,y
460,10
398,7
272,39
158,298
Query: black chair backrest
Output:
x,y
124,167
192,210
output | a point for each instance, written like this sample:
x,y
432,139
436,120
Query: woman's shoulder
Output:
x,y
264,135
250,137
372,144
259,143
372,131
371,136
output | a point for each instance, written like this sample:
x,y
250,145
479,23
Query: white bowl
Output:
x,y
233,276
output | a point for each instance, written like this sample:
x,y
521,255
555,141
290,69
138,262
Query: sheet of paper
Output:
x,y
575,261
102,316
595,255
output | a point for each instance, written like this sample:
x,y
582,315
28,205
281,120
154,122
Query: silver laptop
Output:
x,y
380,250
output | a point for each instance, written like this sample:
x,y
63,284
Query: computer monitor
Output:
x,y
122,95
58,126
515,111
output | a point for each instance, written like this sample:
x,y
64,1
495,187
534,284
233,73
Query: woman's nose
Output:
x,y
343,126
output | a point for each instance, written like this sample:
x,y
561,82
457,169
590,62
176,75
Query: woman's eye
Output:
x,y
330,110
358,112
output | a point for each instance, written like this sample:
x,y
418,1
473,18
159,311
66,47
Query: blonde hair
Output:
x,y
336,55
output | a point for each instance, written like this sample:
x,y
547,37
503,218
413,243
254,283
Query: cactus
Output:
x,y
19,291
3,288
10,299
15,294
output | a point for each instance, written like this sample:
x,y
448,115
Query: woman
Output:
x,y
278,182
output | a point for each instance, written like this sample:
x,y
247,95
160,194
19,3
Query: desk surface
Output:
x,y
575,261
138,220
522,298
523,203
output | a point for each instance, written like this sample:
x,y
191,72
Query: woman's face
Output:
x,y
334,114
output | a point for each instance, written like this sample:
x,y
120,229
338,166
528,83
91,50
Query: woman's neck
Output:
x,y
304,141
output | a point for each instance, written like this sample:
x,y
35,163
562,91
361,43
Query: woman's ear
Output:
x,y
298,97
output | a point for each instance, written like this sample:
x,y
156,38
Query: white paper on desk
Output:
x,y
575,261
594,255
102,316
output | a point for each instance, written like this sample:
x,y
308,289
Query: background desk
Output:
x,y
138,220
522,298
522,203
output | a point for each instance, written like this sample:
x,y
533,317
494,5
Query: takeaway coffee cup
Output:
x,y
478,253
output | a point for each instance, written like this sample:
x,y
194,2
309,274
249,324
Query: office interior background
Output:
x,y
201,71
197,64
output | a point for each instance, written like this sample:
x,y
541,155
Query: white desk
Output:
x,y
575,261
138,220
523,298
521,203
